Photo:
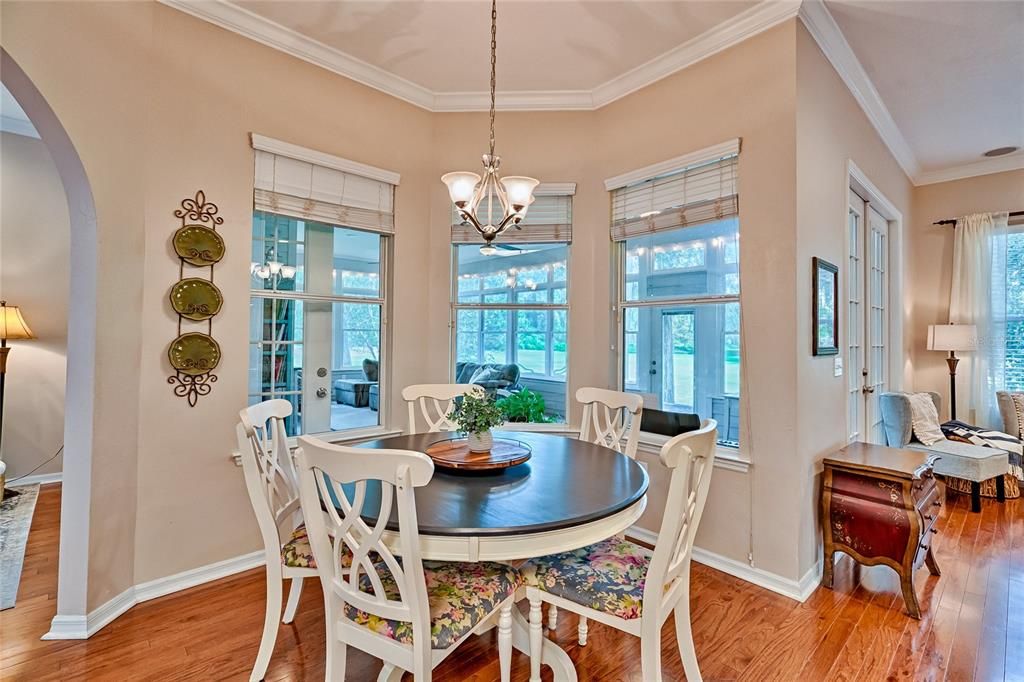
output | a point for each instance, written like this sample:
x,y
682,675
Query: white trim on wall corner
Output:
x,y
799,590
999,164
83,627
41,479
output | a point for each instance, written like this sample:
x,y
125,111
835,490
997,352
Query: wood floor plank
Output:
x,y
856,631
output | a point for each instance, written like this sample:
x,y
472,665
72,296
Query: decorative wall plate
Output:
x,y
198,245
196,299
194,353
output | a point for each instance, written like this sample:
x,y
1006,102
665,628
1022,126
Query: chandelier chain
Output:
x,y
494,62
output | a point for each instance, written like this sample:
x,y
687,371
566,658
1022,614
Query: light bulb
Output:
x,y
461,186
519,189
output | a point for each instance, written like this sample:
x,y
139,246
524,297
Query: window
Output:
x,y
512,309
320,237
679,290
316,310
1013,361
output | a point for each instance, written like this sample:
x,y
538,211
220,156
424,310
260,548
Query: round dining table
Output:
x,y
569,494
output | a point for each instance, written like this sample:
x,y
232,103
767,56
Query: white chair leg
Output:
x,y
684,636
650,652
294,592
270,623
337,650
582,631
536,639
552,617
505,642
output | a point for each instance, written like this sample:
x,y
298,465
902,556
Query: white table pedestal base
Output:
x,y
552,655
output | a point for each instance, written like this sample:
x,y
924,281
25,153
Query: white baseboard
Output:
x,y
798,590
41,479
83,627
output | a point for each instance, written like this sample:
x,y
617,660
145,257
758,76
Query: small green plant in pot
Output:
x,y
476,417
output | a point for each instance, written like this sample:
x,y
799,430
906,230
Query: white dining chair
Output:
x,y
625,585
409,613
435,402
609,417
272,483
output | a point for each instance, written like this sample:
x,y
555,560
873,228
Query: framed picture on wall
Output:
x,y
825,339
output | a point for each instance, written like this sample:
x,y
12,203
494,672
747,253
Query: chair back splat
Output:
x,y
690,458
609,417
434,402
269,471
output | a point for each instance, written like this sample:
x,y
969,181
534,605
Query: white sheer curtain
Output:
x,y
978,297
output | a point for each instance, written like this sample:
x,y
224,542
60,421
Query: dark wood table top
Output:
x,y
879,458
566,483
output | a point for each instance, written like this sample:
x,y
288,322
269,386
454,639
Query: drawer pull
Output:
x,y
928,517
937,503
933,530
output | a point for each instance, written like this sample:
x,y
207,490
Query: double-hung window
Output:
x,y
320,240
510,308
677,232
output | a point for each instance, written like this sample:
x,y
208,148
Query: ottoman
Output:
x,y
972,463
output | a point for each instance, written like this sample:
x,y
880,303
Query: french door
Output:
x,y
867,328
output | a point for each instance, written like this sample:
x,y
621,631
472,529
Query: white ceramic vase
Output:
x,y
480,442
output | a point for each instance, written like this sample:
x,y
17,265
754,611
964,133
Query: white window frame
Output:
x,y
511,326
382,300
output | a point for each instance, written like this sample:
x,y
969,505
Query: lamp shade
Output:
x,y
12,324
962,337
461,186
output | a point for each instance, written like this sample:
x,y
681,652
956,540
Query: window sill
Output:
x,y
725,457
338,438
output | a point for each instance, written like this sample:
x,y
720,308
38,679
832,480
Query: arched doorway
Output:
x,y
70,621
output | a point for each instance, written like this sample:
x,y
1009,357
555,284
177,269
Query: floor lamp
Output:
x,y
12,326
952,338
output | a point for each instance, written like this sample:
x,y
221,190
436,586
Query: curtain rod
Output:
x,y
952,221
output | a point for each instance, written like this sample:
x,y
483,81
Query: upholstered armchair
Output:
x,y
492,376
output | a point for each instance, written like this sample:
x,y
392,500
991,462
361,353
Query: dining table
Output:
x,y
569,494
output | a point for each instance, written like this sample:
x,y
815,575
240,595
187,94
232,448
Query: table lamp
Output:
x,y
952,338
12,326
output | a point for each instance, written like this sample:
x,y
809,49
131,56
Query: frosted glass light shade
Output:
x,y
461,185
519,189
12,324
962,337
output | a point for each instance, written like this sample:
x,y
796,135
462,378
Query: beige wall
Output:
x,y
831,130
34,242
930,271
160,104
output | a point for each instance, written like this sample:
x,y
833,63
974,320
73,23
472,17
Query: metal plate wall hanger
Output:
x,y
193,354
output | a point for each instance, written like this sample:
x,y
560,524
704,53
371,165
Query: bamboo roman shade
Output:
x,y
309,185
549,219
697,191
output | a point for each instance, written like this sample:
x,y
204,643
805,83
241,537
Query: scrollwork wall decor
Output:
x,y
194,355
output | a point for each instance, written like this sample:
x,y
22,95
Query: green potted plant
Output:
x,y
476,417
524,406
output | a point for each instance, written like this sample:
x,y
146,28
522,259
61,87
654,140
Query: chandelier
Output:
x,y
492,204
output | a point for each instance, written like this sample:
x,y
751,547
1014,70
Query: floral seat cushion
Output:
x,y
297,552
460,595
607,576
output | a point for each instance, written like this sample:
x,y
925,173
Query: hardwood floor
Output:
x,y
972,625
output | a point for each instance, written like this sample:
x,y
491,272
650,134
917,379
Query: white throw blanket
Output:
x,y
924,419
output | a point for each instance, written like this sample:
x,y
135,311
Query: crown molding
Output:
x,y
823,28
744,25
1000,164
239,20
17,126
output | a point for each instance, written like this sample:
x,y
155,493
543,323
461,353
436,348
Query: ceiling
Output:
x,y
950,73
542,45
942,81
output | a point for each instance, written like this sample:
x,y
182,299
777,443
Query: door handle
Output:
x,y
868,389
